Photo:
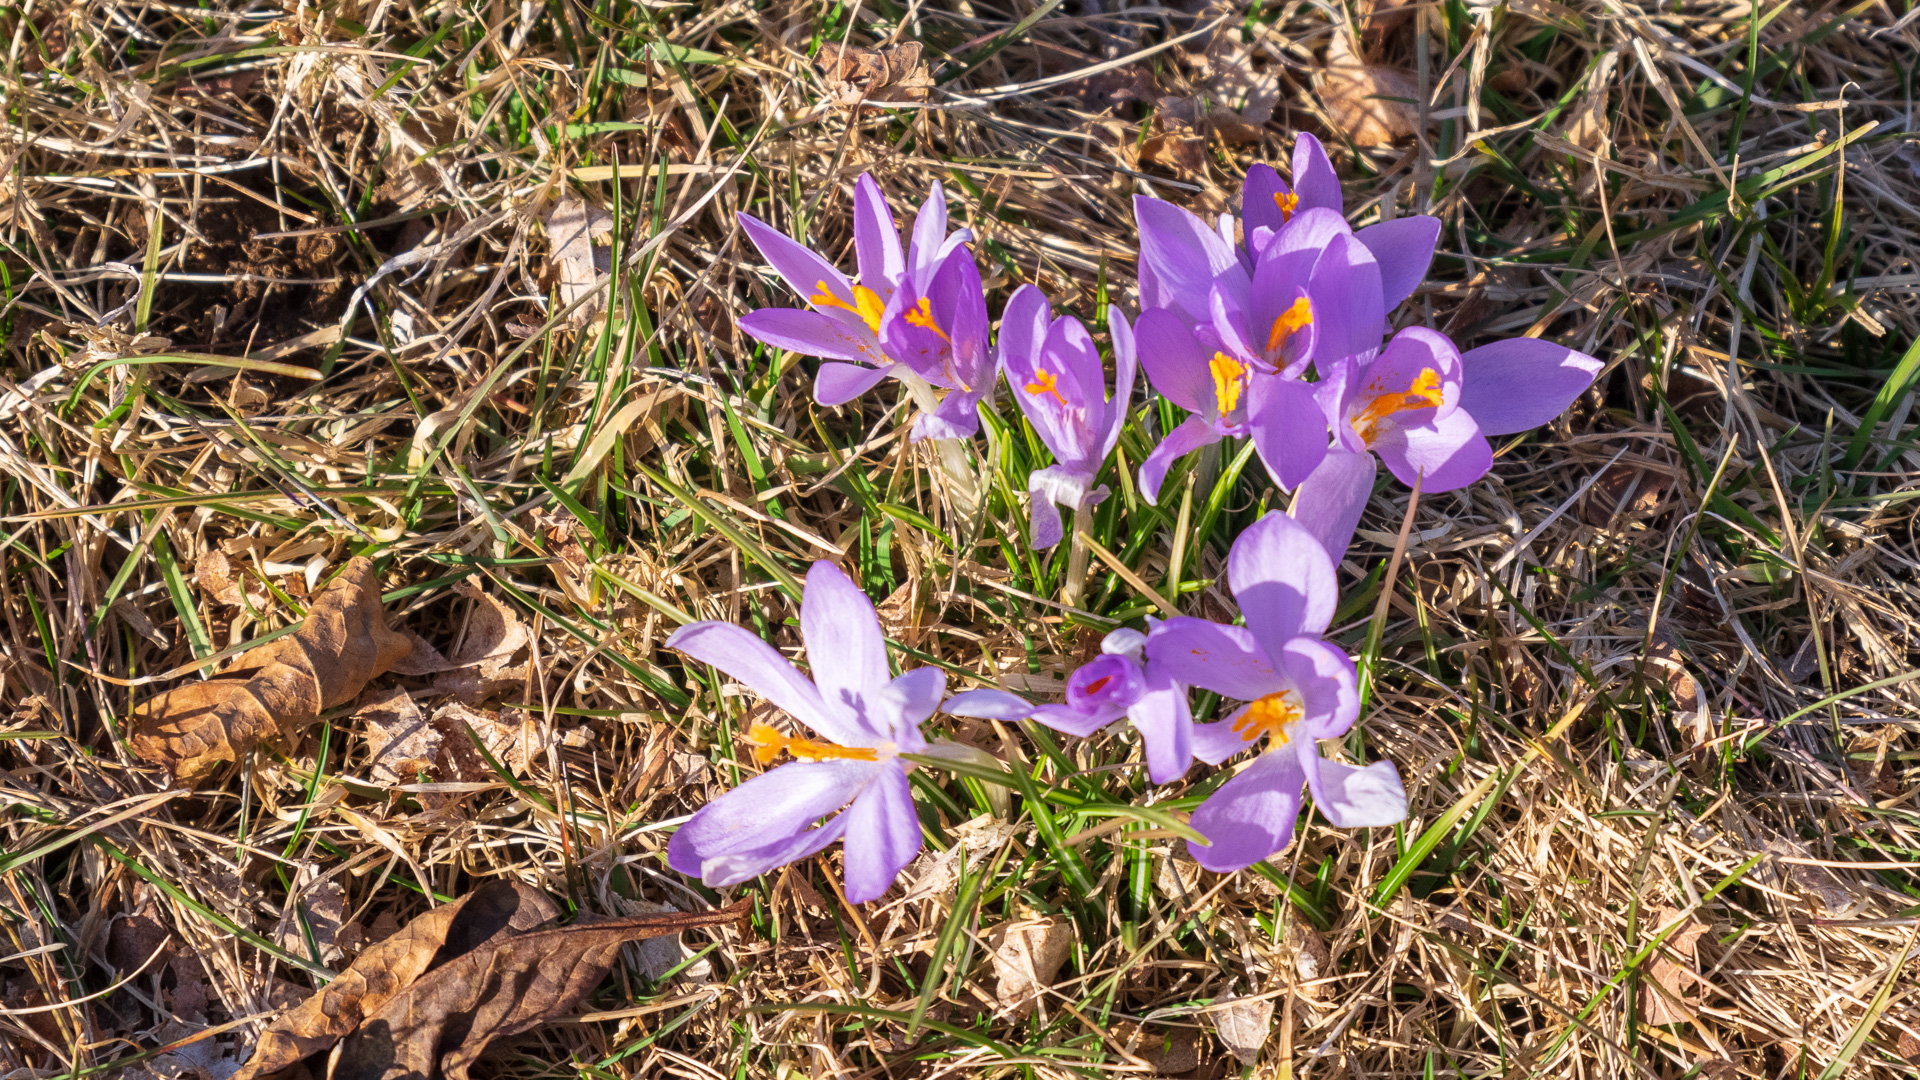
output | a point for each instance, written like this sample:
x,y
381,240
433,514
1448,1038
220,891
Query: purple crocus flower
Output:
x,y
1058,380
1119,683
1298,688
867,718
918,314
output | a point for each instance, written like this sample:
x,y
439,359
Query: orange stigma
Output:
x,y
1270,716
1229,379
1291,321
1099,684
1046,382
1288,202
768,743
866,303
921,315
1425,391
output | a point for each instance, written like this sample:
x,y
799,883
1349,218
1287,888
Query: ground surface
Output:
x,y
284,286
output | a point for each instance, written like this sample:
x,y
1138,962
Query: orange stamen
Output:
x,y
1425,391
1270,716
1046,382
1291,321
1229,379
866,303
1288,202
921,315
768,743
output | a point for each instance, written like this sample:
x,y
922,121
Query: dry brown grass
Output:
x,y
276,290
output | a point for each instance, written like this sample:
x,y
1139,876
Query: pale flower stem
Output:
x,y
963,483
1077,556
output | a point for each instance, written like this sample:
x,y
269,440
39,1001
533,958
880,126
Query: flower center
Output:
x,y
1046,382
866,303
768,743
1229,379
921,315
1291,321
1288,202
1424,392
1271,716
1098,684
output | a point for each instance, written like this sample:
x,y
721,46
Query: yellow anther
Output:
x,y
1291,321
921,315
1288,202
768,743
1046,382
1229,379
1425,391
866,303
1270,716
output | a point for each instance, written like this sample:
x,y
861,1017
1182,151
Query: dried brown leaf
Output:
x,y
484,663
1026,957
578,265
1368,103
278,689
1665,997
389,967
855,74
1243,1026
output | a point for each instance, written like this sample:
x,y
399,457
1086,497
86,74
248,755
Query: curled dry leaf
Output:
x,y
855,74
1368,103
1665,997
278,689
1026,956
1243,1025
484,663
579,266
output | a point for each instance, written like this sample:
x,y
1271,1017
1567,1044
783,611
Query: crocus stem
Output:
x,y
964,485
1077,556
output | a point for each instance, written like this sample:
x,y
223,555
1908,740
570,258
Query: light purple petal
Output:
x,y
1216,742
1347,308
737,652
811,333
1224,659
1283,581
1071,721
1325,679
1047,487
837,384
1186,255
1358,798
1257,206
1331,501
909,700
844,647
1166,728
1191,435
1450,451
1404,247
956,417
929,231
960,304
876,239
988,704
1313,177
800,267
1175,361
1289,428
1521,383
883,836
767,811
1126,365
1251,816
734,867
1023,331
1043,517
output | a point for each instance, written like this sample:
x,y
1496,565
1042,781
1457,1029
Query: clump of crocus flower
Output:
x,y
1298,689
866,719
918,315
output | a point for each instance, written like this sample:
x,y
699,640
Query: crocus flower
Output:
x,y
1298,689
1181,257
866,719
918,314
1057,378
1119,683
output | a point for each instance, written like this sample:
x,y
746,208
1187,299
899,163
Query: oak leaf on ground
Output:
x,y
279,689
427,1001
